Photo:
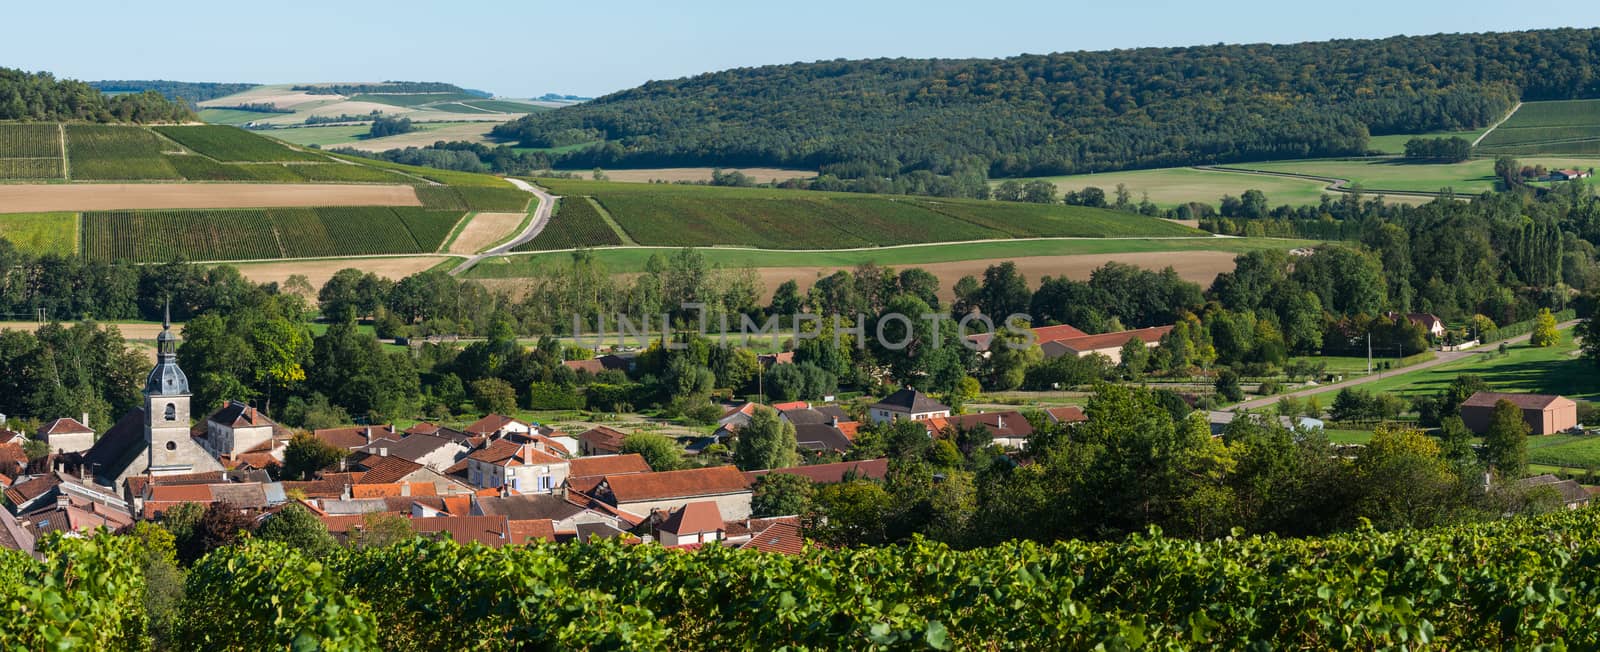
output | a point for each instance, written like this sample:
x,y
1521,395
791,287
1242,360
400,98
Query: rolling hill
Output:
x,y
1074,112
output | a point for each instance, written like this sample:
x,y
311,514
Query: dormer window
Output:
x,y
172,412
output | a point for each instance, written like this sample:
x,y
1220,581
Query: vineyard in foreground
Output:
x,y
1514,584
160,236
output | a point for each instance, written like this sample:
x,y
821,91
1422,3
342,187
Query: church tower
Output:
x,y
166,409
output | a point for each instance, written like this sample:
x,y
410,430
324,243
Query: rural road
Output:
x,y
541,217
1496,125
1332,183
1444,357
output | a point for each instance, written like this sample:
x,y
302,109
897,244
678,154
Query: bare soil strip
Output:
x,y
319,271
114,196
484,230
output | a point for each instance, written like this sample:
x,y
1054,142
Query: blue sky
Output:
x,y
590,48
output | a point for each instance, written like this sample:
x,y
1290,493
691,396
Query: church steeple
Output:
x,y
166,379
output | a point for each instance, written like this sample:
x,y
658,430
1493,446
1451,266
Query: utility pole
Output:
x,y
1369,354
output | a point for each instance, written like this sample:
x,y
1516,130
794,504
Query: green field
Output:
x,y
412,99
41,233
1559,127
158,236
115,153
575,224
231,116
30,169
1550,370
230,144
1396,143
1568,451
1470,177
683,215
1168,187
626,260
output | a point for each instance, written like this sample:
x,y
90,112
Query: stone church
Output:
x,y
154,439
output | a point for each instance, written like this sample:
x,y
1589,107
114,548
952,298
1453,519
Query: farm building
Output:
x,y
1568,175
1106,344
1544,413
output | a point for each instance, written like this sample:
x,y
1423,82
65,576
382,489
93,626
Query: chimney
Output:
x,y
2,419
836,422
367,433
84,420
1000,421
63,500
383,451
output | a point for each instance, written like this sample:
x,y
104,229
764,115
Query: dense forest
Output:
x,y
40,96
190,93
1073,112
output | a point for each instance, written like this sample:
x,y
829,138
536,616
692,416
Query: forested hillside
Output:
x,y
1076,111
40,96
187,92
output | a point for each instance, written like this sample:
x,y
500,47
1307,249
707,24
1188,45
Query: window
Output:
x,y
172,412
172,445
545,483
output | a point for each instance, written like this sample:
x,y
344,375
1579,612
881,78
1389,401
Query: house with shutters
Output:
x,y
238,430
522,468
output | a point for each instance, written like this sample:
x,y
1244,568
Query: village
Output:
x,y
503,481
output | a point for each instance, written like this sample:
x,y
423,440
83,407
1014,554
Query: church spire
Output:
x,y
166,379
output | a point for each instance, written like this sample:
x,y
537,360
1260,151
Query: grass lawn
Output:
x,y
1551,370
1568,451
1470,177
624,260
1396,143
41,233
319,136
1348,436
232,116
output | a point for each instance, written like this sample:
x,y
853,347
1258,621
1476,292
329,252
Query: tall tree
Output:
x,y
766,442
1506,443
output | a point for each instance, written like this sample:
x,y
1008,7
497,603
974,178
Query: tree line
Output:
x,y
1073,112
42,97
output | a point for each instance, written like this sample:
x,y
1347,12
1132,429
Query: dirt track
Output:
x,y
485,229
116,196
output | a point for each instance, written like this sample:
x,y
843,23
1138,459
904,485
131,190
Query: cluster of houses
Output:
x,y
496,481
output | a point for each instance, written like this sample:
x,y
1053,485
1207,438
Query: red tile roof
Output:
x,y
791,405
65,426
508,453
602,438
1068,414
711,481
384,470
609,465
1115,340
783,538
695,517
488,530
830,473
32,488
353,438
490,424
528,531
1007,424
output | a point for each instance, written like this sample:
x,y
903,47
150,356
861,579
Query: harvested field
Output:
x,y
485,229
130,331
102,197
319,271
1198,266
761,175
279,94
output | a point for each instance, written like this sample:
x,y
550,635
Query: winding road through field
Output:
x,y
541,217
1444,357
